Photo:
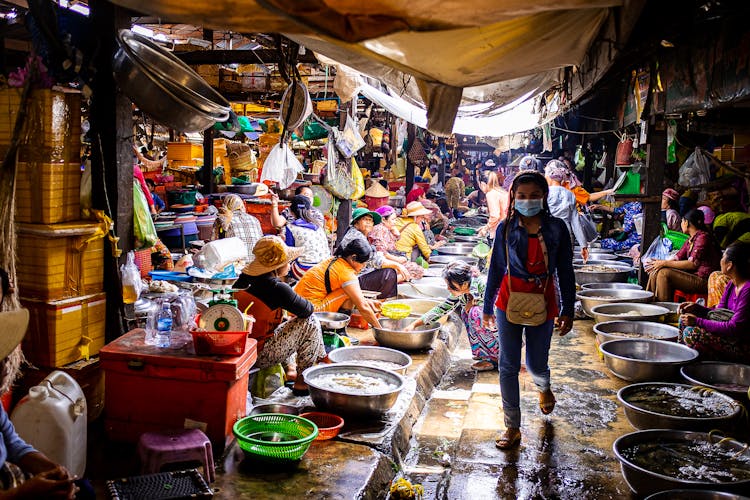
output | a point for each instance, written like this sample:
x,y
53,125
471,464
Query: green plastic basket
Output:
x,y
677,238
257,436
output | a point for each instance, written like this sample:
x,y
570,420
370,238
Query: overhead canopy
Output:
x,y
439,54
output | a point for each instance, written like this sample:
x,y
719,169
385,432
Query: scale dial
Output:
x,y
222,318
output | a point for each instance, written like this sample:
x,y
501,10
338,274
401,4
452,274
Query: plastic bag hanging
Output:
x,y
281,166
338,180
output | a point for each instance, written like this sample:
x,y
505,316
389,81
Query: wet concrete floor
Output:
x,y
566,455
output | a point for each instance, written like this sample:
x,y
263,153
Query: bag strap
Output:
x,y
542,244
327,277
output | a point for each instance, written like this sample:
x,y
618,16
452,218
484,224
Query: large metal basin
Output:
x,y
695,495
456,249
592,298
423,292
594,250
628,311
732,379
392,334
644,360
646,482
643,418
346,402
615,276
434,271
673,316
369,355
602,260
149,74
430,281
611,286
642,329
447,259
466,239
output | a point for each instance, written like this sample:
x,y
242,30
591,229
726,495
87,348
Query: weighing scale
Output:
x,y
222,314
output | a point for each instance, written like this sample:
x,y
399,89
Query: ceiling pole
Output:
x,y
411,134
207,179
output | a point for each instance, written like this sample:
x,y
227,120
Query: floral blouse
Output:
x,y
476,292
382,238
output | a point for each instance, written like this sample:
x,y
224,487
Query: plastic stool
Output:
x,y
680,296
158,448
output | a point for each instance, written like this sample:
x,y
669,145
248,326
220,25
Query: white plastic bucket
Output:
x,y
52,419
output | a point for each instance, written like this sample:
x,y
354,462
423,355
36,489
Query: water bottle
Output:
x,y
164,325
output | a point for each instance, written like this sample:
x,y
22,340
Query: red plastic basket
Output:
x,y
329,425
224,343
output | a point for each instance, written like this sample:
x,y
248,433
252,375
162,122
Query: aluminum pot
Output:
x,y
391,334
414,291
157,94
646,482
332,320
639,329
642,418
733,379
695,495
628,311
672,316
447,259
347,402
466,239
434,271
456,249
429,281
594,250
618,274
274,408
611,286
368,355
646,360
592,298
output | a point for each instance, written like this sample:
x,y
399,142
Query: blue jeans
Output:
x,y
538,340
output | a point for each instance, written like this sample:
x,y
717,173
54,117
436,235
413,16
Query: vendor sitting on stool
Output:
x,y
270,297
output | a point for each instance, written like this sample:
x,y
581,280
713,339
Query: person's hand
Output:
x,y
482,231
375,304
488,321
585,254
688,319
687,308
51,484
595,207
274,199
411,326
403,273
653,265
564,324
401,260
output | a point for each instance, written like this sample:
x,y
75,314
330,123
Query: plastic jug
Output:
x,y
52,418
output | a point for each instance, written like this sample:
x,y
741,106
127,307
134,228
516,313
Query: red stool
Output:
x,y
158,448
680,296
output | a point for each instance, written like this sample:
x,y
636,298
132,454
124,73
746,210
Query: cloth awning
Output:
x,y
440,55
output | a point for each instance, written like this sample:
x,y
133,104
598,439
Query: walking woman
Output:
x,y
532,249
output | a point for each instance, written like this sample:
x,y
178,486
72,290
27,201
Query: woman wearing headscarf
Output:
x,y
533,250
562,203
303,231
234,221
384,237
669,209
268,298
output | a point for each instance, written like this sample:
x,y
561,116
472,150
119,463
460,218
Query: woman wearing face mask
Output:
x,y
532,249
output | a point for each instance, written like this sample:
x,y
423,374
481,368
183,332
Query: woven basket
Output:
x,y
240,161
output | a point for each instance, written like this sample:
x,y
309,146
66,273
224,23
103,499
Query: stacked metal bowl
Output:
x,y
646,360
602,271
592,298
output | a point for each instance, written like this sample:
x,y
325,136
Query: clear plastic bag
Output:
x,y
658,250
143,225
130,277
349,141
338,178
695,171
281,166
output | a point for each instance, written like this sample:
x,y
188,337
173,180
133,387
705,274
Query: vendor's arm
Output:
x,y
436,313
293,302
365,307
740,322
600,194
421,243
277,220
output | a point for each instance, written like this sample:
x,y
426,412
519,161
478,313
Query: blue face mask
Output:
x,y
529,208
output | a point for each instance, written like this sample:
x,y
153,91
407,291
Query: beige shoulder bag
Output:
x,y
524,308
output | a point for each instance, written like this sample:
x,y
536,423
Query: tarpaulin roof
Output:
x,y
441,54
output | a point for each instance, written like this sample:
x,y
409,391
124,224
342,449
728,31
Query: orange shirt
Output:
x,y
312,285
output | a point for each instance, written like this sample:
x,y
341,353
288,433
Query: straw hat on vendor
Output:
x,y
415,209
14,328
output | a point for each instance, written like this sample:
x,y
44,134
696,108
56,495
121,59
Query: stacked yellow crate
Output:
x,y
59,257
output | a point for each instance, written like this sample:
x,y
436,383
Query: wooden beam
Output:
x,y
655,162
17,45
111,119
259,56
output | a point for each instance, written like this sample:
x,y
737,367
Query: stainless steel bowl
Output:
x,y
628,311
332,320
353,404
672,316
644,329
732,379
274,408
645,360
418,306
434,271
447,259
600,258
466,239
592,298
695,495
423,291
594,250
368,355
641,418
429,281
619,276
456,249
611,286
392,334
646,482
156,93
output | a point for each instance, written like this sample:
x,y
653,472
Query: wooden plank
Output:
x,y
260,56
656,151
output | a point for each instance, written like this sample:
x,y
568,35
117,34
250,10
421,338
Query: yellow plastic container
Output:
x,y
395,310
48,193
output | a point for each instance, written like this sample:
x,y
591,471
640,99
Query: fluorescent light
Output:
x,y
142,30
80,8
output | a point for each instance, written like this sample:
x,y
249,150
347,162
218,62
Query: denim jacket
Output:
x,y
559,250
